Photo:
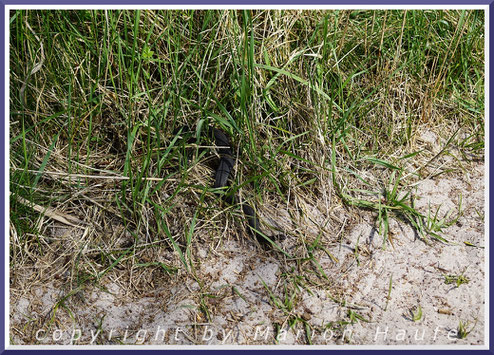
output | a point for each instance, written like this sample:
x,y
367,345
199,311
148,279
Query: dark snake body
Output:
x,y
227,161
222,180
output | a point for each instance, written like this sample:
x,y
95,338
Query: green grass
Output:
x,y
458,280
415,314
314,101
464,329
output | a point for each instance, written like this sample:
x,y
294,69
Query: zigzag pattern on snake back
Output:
x,y
222,179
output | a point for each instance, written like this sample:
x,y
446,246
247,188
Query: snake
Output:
x,y
222,179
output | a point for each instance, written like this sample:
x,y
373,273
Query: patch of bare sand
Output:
x,y
240,294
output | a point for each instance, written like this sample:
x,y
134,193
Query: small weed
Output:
x,y
355,317
463,331
456,279
147,54
416,313
436,224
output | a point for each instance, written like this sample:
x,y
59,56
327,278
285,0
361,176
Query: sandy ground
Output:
x,y
237,284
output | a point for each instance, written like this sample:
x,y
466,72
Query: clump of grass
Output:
x,y
416,313
463,329
355,317
458,280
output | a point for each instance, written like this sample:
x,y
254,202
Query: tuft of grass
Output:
x,y
458,280
416,313
356,317
463,329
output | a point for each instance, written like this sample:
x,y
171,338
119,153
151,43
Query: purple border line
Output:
x,y
3,102
487,153
185,4
250,2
